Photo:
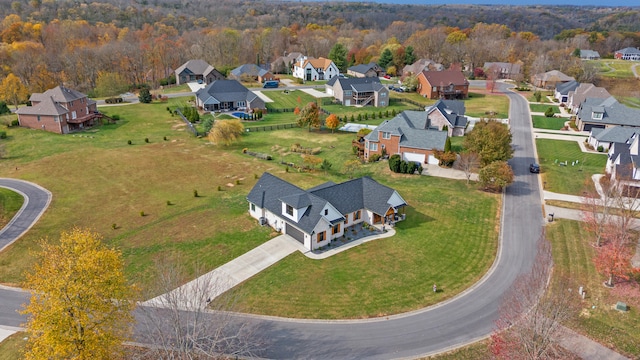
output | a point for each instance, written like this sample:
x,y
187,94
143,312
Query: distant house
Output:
x,y
251,72
589,55
421,65
607,137
605,113
223,95
447,84
358,91
284,64
585,91
505,70
448,115
197,70
550,79
319,215
366,70
563,89
60,110
629,53
311,69
410,134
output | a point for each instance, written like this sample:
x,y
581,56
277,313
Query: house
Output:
x,y
550,79
421,65
410,134
589,55
447,84
563,90
283,64
448,115
629,53
358,91
251,72
366,70
623,162
60,110
605,113
197,70
504,70
324,213
607,137
311,69
582,92
227,95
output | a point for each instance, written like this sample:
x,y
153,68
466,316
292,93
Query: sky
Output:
x,y
511,2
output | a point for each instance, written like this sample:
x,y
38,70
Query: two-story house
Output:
x,y
605,113
358,91
311,69
198,71
447,84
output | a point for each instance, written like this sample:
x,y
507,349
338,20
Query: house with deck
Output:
x,y
224,95
60,110
198,71
366,70
365,91
324,213
251,72
447,84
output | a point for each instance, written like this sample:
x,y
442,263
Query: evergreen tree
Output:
x,y
145,96
386,58
409,56
338,55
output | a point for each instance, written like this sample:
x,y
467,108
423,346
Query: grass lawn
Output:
x,y
542,108
543,99
567,179
457,143
476,351
480,105
573,253
614,68
550,123
10,203
288,100
391,275
12,347
630,101
172,89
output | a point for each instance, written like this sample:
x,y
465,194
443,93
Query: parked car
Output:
x,y
534,168
388,77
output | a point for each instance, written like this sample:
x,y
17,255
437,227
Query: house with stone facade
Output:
x,y
198,71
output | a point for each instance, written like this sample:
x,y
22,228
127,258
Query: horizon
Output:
x,y
593,3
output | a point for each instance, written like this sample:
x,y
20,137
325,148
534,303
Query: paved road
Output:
x,y
464,319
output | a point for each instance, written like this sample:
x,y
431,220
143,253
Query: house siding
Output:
x,y
46,122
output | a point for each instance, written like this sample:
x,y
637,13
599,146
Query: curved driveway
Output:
x,y
466,318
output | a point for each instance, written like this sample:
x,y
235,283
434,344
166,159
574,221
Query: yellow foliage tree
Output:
x,y
12,91
226,131
332,122
80,305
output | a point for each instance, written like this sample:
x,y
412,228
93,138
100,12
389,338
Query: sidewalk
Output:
x,y
586,348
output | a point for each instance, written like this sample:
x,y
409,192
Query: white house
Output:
x,y
312,69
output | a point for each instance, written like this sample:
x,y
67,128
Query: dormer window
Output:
x,y
289,210
326,211
597,116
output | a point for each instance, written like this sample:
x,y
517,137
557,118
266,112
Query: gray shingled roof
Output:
x,y
564,88
225,91
59,94
414,130
357,84
511,68
614,113
453,110
362,68
45,106
617,134
629,50
197,67
589,54
248,69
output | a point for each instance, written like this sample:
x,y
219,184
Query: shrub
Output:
x,y
352,118
219,188
195,193
359,117
393,112
141,213
3,134
168,202
4,109
537,95
394,163
600,148
146,140
115,117
237,182
15,122
374,157
165,138
129,142
549,112
114,226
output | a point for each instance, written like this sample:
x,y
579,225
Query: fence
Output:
x,y
190,126
270,127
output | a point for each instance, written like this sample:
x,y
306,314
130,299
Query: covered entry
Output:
x,y
294,233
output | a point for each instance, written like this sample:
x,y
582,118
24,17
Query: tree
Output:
x,y
447,145
596,209
386,58
351,167
613,259
309,116
338,55
110,83
409,56
491,140
311,160
80,303
549,112
145,96
468,162
332,122
226,131
496,175
529,325
394,163
12,91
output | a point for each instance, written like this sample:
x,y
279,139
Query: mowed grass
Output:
x,y
480,105
10,203
573,255
549,123
288,100
568,179
542,108
392,275
615,68
13,347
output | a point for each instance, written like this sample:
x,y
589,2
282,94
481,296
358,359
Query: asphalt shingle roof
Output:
x,y
613,112
363,68
414,130
248,69
225,91
617,134
453,110
197,67
565,88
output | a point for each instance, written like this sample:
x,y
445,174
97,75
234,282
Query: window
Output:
x,y
373,146
597,115
383,94
348,93
321,236
38,117
253,207
335,229
326,211
356,215
289,210
386,135
383,103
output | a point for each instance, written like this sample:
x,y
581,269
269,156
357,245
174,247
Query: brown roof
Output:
x,y
46,106
320,63
446,77
59,94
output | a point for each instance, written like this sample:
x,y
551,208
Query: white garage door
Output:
x,y
433,160
347,102
419,158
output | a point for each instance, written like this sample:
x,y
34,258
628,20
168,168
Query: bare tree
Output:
x,y
596,209
529,323
187,322
468,162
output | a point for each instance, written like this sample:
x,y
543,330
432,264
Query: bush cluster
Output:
x,y
303,150
397,165
374,157
114,100
190,113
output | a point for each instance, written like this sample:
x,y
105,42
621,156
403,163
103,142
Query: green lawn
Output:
x,y
573,253
550,123
481,105
289,99
542,108
172,89
457,143
614,68
567,179
543,99
13,347
10,203
631,101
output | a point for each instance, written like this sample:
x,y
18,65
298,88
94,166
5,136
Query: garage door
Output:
x,y
347,102
295,233
419,158
433,160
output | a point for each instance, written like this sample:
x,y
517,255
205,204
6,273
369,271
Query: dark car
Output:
x,y
534,168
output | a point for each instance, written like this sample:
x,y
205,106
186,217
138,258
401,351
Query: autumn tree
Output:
x,y
613,259
467,162
351,167
226,131
311,160
529,325
12,91
491,140
597,208
332,122
110,83
309,116
496,175
80,305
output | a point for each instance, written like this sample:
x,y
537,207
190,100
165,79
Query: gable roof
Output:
x,y
362,193
225,91
629,51
452,110
589,54
613,112
615,134
369,84
414,129
553,75
248,69
566,87
446,77
505,67
364,68
588,90
59,94
421,65
46,106
197,67
320,63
